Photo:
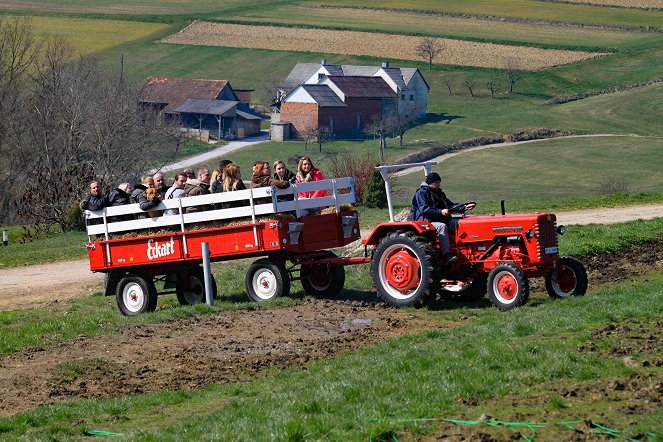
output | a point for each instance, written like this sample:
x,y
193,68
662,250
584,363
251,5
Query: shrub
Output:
x,y
375,195
359,166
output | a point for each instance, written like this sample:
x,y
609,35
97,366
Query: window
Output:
x,y
358,121
411,97
403,97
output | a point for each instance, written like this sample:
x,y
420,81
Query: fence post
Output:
x,y
209,296
5,238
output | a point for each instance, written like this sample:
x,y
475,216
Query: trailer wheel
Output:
x,y
508,286
402,269
475,290
322,280
266,280
191,286
569,280
136,294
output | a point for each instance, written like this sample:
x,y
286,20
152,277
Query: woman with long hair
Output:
x,y
231,180
307,172
281,172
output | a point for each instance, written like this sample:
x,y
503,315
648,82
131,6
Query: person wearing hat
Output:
x,y
431,204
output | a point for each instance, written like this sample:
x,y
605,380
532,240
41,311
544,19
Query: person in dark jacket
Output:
x,y
195,187
138,196
431,204
120,196
95,200
282,173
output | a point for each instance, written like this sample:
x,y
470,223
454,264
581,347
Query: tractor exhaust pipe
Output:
x,y
502,205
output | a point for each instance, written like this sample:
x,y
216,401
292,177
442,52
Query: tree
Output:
x,y
74,123
19,47
380,127
428,49
470,84
492,87
324,134
376,194
359,165
514,72
402,125
448,81
268,91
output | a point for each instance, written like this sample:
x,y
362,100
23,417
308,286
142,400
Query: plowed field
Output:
x,y
387,46
625,3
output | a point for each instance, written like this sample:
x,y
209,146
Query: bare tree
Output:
x,y
324,135
470,84
359,166
514,72
492,87
268,91
428,49
449,82
381,126
402,125
18,50
73,124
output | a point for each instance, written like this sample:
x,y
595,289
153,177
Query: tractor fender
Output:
x,y
419,227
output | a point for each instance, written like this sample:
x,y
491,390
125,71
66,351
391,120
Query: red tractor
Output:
x,y
496,254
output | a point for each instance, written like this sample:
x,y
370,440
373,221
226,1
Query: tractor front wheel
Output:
x,y
508,286
403,270
569,280
267,279
136,294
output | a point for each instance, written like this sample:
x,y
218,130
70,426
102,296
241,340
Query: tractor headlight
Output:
x,y
530,234
561,230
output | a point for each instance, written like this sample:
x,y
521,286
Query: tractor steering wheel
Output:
x,y
460,207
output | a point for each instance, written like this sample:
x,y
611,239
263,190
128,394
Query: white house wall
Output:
x,y
299,95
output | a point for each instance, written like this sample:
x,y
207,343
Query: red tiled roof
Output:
x,y
244,95
175,91
363,87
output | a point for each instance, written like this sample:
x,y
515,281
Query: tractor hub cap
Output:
x,y
507,286
565,280
402,271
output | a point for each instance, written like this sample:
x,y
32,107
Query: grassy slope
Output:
x,y
554,168
371,393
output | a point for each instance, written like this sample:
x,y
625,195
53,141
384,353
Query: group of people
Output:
x,y
227,178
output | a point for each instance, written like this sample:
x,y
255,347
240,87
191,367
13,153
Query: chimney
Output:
x,y
324,61
385,64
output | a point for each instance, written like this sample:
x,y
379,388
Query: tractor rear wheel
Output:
x,y
569,280
266,279
403,270
508,286
191,286
322,280
136,294
474,290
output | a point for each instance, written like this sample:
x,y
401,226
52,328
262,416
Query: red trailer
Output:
x,y
273,224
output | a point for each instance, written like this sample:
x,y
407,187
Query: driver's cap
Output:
x,y
433,177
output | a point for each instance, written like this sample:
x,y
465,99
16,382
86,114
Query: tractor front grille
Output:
x,y
546,235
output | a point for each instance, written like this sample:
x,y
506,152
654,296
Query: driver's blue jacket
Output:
x,y
427,204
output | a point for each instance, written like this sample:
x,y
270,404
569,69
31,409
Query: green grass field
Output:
x,y
551,169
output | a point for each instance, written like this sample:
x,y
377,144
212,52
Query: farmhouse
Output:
x,y
211,106
345,97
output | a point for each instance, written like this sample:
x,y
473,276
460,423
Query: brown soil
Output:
x,y
233,346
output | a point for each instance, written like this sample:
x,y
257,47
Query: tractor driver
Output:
x,y
431,204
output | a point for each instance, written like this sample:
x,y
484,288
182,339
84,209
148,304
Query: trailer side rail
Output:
x,y
340,190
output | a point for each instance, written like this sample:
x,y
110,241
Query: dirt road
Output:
x,y
55,282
